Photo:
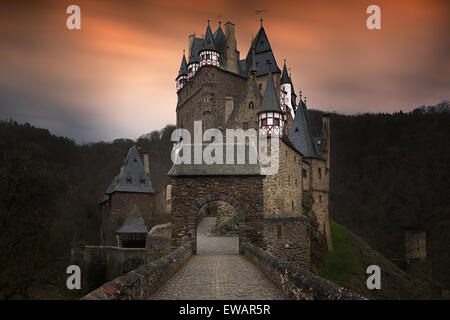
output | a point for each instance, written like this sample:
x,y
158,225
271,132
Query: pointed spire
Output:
x,y
284,75
270,99
208,43
299,135
183,67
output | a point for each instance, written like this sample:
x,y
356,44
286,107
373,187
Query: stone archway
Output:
x,y
243,192
194,214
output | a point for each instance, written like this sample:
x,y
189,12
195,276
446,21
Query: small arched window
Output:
x,y
251,105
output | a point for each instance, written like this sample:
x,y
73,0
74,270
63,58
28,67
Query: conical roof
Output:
x,y
132,176
208,43
300,135
219,37
183,67
285,76
197,44
270,99
264,58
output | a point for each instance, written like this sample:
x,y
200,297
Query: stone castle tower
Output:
x,y
222,90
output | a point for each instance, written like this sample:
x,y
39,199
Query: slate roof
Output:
x,y
132,168
264,59
285,78
208,43
133,224
203,169
219,37
197,45
300,135
183,67
270,99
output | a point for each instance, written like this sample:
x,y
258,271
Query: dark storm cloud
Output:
x,y
115,77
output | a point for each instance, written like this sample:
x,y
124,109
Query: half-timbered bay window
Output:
x,y
209,58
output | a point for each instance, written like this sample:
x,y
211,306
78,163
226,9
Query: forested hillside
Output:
x,y
391,173
49,193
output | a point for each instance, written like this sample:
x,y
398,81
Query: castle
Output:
x,y
223,91
277,213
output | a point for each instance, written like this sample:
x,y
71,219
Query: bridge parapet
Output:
x,y
142,282
294,281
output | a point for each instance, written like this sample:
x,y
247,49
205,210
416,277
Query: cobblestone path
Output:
x,y
218,272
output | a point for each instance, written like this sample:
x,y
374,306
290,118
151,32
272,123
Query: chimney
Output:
x,y
146,163
231,53
190,42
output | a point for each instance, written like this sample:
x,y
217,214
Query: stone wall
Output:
x,y
203,98
142,282
159,242
244,193
118,207
99,264
294,281
283,190
288,239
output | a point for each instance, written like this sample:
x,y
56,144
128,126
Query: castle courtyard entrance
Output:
x,y
217,229
244,194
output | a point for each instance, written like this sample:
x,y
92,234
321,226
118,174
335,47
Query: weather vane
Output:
x,y
260,12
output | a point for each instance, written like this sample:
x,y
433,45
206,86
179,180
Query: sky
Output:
x,y
115,78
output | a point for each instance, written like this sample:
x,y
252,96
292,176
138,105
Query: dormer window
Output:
x,y
129,179
142,180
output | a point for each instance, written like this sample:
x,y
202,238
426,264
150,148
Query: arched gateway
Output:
x,y
239,185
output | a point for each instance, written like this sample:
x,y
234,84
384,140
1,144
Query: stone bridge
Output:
x,y
218,271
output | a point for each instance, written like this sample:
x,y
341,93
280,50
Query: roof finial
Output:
x,y
208,22
220,19
300,93
284,61
260,11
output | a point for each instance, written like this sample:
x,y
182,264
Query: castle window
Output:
x,y
264,122
279,232
268,61
320,198
292,206
326,171
129,179
251,105
296,181
276,122
294,158
245,125
296,129
304,173
260,86
320,172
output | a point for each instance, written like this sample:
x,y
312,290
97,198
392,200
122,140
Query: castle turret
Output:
x,y
270,115
287,91
194,59
182,74
209,55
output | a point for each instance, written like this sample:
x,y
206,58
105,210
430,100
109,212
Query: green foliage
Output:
x,y
389,174
343,261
